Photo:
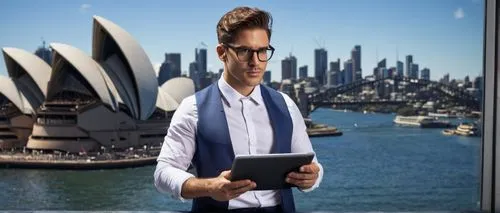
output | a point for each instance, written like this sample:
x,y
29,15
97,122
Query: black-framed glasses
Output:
x,y
245,54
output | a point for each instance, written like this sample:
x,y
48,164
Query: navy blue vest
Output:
x,y
214,151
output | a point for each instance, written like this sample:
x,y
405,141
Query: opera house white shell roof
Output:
x,y
10,91
139,89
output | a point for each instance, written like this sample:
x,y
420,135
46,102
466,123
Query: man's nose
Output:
x,y
254,59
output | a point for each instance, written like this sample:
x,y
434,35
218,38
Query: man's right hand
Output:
x,y
222,189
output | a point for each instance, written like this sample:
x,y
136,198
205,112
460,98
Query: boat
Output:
x,y
421,121
467,129
441,115
320,130
448,132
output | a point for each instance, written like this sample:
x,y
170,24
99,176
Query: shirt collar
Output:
x,y
230,95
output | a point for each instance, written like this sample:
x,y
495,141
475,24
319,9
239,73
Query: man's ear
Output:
x,y
221,52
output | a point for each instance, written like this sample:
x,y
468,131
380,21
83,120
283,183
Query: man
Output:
x,y
235,115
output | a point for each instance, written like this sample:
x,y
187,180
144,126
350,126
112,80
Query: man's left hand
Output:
x,y
305,178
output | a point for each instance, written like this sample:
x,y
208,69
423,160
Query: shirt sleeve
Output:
x,y
300,140
177,150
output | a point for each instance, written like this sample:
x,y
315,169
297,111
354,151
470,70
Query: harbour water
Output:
x,y
374,166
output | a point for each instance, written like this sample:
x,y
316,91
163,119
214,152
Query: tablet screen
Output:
x,y
268,171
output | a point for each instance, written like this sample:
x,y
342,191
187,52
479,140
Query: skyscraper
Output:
x,y
478,83
340,78
348,72
391,72
414,71
320,65
425,74
400,68
201,60
44,53
286,69
382,63
175,60
356,63
409,62
303,72
294,66
378,72
446,79
201,66
170,68
384,72
289,68
333,73
164,73
467,82
267,77
193,72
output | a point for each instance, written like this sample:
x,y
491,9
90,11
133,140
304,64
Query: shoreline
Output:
x,y
116,160
17,162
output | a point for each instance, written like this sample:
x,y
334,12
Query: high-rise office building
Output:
x,y
44,53
333,73
378,72
382,63
303,72
425,74
445,79
201,59
414,71
340,78
348,72
201,67
175,60
467,82
400,68
286,69
267,77
193,72
391,72
170,68
409,62
289,68
478,83
320,65
293,60
356,63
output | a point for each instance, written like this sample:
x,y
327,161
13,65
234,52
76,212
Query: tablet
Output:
x,y
268,171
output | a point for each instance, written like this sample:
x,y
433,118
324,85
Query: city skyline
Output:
x,y
444,36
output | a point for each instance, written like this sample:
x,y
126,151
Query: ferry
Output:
x,y
441,115
448,132
421,121
320,130
464,129
467,129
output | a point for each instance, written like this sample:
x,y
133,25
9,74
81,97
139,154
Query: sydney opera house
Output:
x,y
85,103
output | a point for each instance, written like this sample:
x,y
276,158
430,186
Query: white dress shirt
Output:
x,y
250,132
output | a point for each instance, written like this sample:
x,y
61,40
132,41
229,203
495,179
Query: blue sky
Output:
x,y
444,35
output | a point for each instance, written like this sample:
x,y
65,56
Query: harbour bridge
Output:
x,y
434,91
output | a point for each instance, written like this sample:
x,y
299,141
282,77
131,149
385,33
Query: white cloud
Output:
x,y
85,7
459,13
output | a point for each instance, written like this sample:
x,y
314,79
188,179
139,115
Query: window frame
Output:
x,y
490,167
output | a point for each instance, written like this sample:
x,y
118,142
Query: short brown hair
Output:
x,y
242,18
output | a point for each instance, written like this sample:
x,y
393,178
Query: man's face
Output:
x,y
246,71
